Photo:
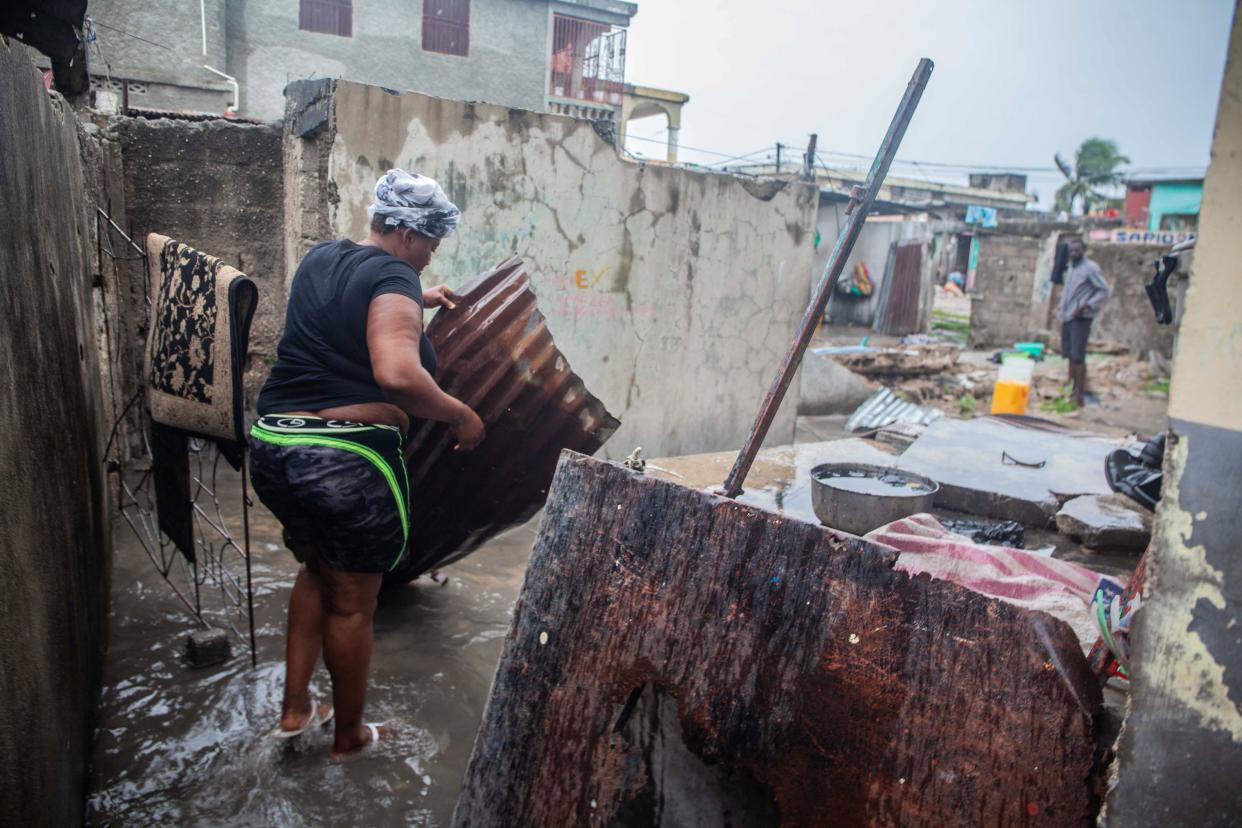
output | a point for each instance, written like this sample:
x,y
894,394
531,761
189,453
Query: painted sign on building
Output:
x,y
1141,235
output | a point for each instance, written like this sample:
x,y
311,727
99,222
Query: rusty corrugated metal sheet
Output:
x,y
902,291
497,355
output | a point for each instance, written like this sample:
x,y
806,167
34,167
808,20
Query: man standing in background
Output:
x,y
1082,296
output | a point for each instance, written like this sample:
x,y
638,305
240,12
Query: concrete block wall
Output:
x,y
673,293
54,547
218,186
1002,309
1127,317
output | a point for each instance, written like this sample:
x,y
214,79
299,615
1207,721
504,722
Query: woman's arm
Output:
x,y
394,327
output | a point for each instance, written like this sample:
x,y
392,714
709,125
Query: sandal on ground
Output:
x,y
313,721
367,748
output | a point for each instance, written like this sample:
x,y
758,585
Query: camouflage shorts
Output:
x,y
339,489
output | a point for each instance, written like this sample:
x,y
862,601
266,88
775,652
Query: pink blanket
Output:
x,y
1059,588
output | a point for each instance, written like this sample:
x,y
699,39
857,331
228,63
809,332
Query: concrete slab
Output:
x,y
1111,520
828,387
966,458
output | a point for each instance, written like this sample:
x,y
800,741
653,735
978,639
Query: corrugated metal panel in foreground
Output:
x,y
497,355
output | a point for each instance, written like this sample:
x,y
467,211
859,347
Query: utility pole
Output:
x,y
778,157
808,160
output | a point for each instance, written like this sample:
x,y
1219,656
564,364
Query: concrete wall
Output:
x,y
1127,317
673,293
1002,309
54,543
1180,752
507,64
218,186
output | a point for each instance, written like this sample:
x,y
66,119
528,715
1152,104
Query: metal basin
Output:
x,y
857,498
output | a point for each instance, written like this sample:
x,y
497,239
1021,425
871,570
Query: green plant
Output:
x,y
966,404
1095,166
1059,405
1160,386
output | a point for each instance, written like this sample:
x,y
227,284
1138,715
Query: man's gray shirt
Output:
x,y
1085,289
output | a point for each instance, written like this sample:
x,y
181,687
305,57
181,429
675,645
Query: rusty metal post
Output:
x,y
860,204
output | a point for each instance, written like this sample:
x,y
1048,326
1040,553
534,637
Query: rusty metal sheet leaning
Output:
x,y
497,355
811,683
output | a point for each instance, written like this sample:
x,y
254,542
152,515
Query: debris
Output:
x,y
1016,576
884,408
964,457
205,648
687,614
900,434
1111,520
828,387
1006,533
1138,473
908,361
635,461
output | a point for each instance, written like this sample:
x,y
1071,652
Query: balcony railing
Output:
x,y
588,61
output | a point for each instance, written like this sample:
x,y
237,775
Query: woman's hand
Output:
x,y
440,296
468,429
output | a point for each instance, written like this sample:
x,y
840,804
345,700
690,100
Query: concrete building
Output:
x,y
562,56
1164,204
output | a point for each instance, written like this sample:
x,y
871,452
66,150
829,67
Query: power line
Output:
x,y
131,34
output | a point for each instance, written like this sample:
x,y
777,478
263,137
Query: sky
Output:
x,y
1014,83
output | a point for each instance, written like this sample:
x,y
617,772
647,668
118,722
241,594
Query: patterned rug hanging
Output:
x,y
195,359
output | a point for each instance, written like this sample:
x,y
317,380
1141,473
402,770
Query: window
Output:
x,y
588,61
334,17
446,26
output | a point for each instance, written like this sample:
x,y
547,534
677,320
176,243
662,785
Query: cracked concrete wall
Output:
x,y
54,551
1180,751
673,293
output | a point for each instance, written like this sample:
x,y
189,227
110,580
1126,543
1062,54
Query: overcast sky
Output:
x,y
1014,81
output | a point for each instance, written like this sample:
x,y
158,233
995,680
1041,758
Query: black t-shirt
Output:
x,y
322,360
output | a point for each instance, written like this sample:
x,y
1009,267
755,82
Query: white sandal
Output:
x,y
365,749
311,722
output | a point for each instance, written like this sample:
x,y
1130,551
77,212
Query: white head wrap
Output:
x,y
414,201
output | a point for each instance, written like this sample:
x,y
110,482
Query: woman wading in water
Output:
x,y
353,369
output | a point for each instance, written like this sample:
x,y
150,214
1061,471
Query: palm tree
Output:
x,y
1095,167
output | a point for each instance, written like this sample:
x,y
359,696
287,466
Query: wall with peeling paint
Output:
x,y
1180,752
673,293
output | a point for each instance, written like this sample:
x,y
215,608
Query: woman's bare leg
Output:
x,y
347,639
303,637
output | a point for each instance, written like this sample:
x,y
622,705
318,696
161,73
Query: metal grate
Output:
x,y
446,27
588,61
334,17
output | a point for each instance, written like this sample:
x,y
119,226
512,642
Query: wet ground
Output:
x,y
177,745
187,746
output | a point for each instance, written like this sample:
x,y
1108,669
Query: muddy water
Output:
x,y
182,746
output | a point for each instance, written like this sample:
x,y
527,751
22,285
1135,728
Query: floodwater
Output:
x,y
885,484
177,745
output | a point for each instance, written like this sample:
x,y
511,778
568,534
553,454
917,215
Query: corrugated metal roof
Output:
x,y
884,408
497,355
